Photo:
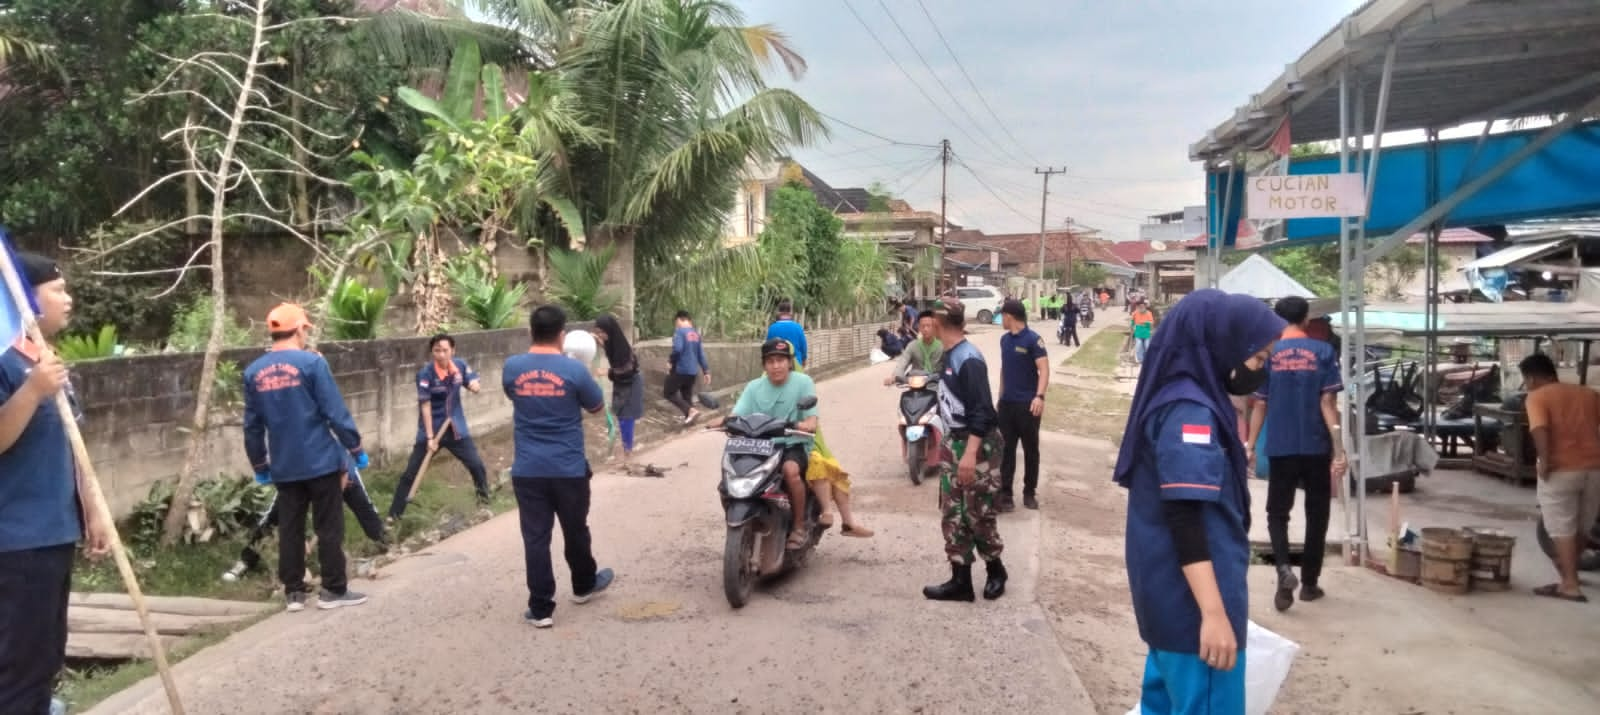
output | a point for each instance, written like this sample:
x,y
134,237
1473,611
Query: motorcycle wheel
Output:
x,y
739,565
1589,560
916,454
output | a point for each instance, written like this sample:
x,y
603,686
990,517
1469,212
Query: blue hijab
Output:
x,y
1200,341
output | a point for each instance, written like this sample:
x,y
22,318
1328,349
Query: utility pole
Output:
x,y
1044,204
944,223
1072,242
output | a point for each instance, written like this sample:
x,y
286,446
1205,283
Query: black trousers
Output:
x,y
542,501
34,584
324,500
1285,475
1017,424
465,451
679,390
1069,335
355,497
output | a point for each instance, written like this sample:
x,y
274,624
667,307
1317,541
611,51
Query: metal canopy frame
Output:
x,y
1443,63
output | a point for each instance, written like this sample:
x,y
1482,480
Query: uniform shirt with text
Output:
x,y
1186,462
295,421
1019,369
688,355
549,393
38,480
1299,372
441,389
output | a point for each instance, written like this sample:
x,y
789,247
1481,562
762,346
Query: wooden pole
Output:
x,y
91,482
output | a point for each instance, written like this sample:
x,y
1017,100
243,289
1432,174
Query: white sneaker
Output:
x,y
328,600
546,622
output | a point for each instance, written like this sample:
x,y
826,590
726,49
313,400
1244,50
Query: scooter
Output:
x,y
1086,315
921,430
757,506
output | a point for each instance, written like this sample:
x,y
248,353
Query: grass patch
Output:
x,y
1099,352
196,569
1087,412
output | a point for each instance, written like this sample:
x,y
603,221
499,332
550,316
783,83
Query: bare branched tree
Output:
x,y
238,113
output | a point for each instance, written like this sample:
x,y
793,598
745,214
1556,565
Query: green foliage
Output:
x,y
191,329
356,311
577,282
228,388
1088,274
76,348
232,505
486,303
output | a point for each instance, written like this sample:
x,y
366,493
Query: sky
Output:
x,y
1114,91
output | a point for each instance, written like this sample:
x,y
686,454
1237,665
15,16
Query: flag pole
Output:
x,y
91,483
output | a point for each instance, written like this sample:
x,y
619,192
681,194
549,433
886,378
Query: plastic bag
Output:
x,y
878,357
1267,662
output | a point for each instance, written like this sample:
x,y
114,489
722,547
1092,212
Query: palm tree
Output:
x,y
678,91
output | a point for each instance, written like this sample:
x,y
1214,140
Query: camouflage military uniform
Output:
x,y
969,512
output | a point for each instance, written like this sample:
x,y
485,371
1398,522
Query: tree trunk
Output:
x,y
428,288
302,198
619,276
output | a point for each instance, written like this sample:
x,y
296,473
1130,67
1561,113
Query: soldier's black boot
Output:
x,y
995,587
958,588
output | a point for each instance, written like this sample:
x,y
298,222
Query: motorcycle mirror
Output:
x,y
807,402
710,401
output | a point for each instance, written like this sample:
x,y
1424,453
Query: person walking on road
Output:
x,y
627,385
688,361
298,434
549,393
1143,324
968,480
1069,324
1565,422
41,495
441,421
1298,405
1183,464
787,328
1024,379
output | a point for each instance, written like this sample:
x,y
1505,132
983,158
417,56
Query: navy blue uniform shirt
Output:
x,y
38,480
1186,462
1019,376
443,393
1300,372
295,421
688,357
549,393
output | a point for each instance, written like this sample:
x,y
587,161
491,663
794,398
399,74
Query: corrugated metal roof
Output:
x,y
1490,320
1515,254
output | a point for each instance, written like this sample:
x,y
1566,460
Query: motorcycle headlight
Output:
x,y
917,382
744,486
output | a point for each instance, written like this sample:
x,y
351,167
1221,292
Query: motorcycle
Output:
x,y
1086,315
921,430
756,504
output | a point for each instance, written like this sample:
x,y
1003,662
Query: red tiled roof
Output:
x,y
1024,247
1245,231
1131,252
1453,235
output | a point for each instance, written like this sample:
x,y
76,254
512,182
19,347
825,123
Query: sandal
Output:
x,y
826,524
797,540
1553,590
856,531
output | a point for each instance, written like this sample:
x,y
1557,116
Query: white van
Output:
x,y
982,302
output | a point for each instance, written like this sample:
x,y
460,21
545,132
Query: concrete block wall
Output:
x,y
136,409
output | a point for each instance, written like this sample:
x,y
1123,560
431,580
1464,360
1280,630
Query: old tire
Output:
x,y
916,454
739,565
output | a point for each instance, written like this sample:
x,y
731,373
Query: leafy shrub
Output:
x,y
233,505
356,311
191,328
577,282
75,348
228,389
485,304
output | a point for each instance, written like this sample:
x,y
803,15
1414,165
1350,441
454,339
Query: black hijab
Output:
x,y
619,354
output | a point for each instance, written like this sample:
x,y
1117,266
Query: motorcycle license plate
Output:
x,y
915,432
758,447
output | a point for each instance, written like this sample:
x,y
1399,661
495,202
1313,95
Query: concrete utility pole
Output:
x,y
944,223
1044,204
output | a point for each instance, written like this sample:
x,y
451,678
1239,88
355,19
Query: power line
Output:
x,y
912,80
970,83
963,164
936,78
873,134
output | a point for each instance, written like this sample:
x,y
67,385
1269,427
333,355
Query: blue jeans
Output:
x,y
1140,345
1182,684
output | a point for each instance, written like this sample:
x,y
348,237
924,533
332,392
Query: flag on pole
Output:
x,y
13,319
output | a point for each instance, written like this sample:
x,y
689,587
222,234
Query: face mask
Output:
x,y
1244,381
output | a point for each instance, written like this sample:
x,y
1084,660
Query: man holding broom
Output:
x,y
43,512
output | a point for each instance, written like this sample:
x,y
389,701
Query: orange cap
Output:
x,y
287,317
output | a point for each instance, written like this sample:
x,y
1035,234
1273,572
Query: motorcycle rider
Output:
x,y
777,394
970,478
923,354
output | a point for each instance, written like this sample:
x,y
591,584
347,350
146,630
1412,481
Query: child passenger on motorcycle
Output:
x,y
777,394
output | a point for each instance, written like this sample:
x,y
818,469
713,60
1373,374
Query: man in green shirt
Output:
x,y
922,354
777,394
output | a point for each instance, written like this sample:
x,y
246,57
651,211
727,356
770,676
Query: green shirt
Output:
x,y
760,395
1143,323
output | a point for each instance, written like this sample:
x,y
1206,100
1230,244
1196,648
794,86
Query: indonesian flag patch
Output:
x,y
1197,434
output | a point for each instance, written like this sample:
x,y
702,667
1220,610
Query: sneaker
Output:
x,y
1007,504
691,417
328,599
546,622
296,602
1284,598
1030,501
602,581
1309,592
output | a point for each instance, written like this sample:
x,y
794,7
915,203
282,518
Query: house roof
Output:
x,y
1453,236
1131,252
839,201
1024,247
1245,231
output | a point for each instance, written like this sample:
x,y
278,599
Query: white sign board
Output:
x,y
1305,196
994,261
